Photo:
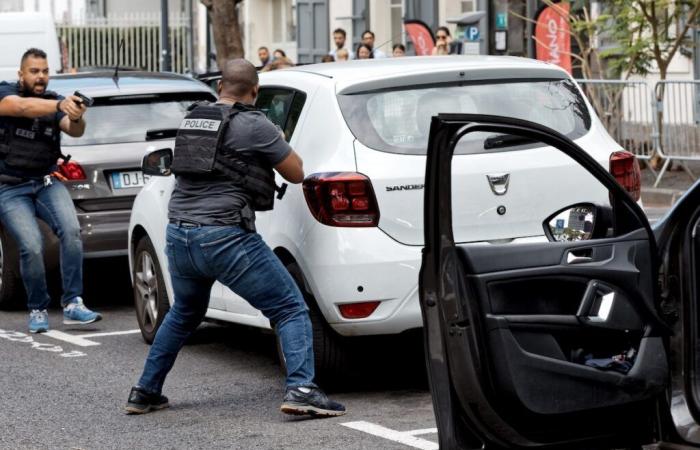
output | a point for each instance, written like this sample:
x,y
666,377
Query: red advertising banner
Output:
x,y
421,36
553,41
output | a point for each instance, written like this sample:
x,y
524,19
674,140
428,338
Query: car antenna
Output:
x,y
115,77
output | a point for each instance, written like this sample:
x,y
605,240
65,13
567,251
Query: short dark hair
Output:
x,y
280,51
401,46
340,31
445,29
368,31
327,58
264,48
34,52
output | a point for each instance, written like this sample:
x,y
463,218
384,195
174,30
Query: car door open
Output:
x,y
550,343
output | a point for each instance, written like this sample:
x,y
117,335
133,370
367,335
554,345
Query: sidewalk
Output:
x,y
673,184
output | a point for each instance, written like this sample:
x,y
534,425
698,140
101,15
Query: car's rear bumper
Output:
x,y
104,233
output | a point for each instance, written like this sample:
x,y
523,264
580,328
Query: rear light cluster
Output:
x,y
358,310
72,171
342,199
625,168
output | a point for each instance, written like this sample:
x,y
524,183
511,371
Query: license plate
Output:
x,y
130,179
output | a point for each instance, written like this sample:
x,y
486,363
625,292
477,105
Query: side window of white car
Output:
x,y
282,106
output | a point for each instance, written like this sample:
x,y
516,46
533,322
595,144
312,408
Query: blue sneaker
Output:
x,y
75,313
38,321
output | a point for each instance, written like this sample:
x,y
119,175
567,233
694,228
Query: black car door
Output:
x,y
552,343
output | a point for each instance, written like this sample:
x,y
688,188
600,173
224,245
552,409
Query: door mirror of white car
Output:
x,y
157,162
579,222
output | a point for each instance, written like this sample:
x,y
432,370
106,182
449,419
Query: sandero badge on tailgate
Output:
x,y
499,183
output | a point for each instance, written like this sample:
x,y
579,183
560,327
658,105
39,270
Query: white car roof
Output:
x,y
366,75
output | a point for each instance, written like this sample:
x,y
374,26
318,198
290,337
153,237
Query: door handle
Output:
x,y
573,259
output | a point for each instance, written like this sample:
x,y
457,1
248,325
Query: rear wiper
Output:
x,y
506,140
160,133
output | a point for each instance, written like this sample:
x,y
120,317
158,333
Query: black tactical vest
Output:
x,y
30,144
200,153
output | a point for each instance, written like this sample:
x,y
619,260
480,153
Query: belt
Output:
x,y
185,223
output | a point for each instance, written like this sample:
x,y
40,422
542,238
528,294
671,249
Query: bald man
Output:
x,y
211,237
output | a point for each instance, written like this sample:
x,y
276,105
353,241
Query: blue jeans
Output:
x,y
20,205
239,259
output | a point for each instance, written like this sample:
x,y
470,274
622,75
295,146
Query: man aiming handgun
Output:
x,y
31,121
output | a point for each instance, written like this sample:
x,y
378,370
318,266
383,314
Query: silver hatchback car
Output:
x,y
132,114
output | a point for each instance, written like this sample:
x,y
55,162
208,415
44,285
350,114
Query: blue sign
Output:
x,y
472,34
560,225
502,20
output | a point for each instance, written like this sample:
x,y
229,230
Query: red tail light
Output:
x,y
72,171
358,310
625,168
342,199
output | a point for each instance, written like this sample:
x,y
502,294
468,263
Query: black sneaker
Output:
x,y
311,401
141,402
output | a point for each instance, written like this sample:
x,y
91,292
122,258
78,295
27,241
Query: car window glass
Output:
x,y
294,113
398,120
282,106
128,120
275,103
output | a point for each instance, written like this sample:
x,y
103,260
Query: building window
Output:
x,y
396,22
283,20
468,6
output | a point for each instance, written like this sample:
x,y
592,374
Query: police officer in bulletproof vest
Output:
x,y
31,121
223,161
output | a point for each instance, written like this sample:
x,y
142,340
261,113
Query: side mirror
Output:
x,y
157,162
579,222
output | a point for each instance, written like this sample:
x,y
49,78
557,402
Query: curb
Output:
x,y
660,196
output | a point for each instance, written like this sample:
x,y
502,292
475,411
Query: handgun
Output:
x,y
84,99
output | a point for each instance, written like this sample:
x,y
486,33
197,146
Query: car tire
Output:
x,y
12,293
150,296
332,352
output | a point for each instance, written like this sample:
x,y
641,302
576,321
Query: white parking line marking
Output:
x,y
423,431
16,336
113,333
402,437
75,340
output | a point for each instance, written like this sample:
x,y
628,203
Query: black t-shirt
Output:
x,y
7,89
220,202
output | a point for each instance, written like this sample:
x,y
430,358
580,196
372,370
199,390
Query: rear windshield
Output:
x,y
118,120
398,121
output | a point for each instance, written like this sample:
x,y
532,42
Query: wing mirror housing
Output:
x,y
157,162
579,222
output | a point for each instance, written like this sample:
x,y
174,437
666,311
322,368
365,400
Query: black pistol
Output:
x,y
84,99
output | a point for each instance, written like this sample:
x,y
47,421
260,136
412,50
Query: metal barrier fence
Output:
x,y
678,109
626,108
664,120
94,42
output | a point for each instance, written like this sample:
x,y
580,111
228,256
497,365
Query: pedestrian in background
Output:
x,y
279,54
443,39
364,52
398,50
211,237
339,38
279,63
264,56
31,121
342,55
368,40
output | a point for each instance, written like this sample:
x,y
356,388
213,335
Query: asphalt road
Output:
x,y
225,389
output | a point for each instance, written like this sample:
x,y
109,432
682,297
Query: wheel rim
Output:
x,y
146,291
